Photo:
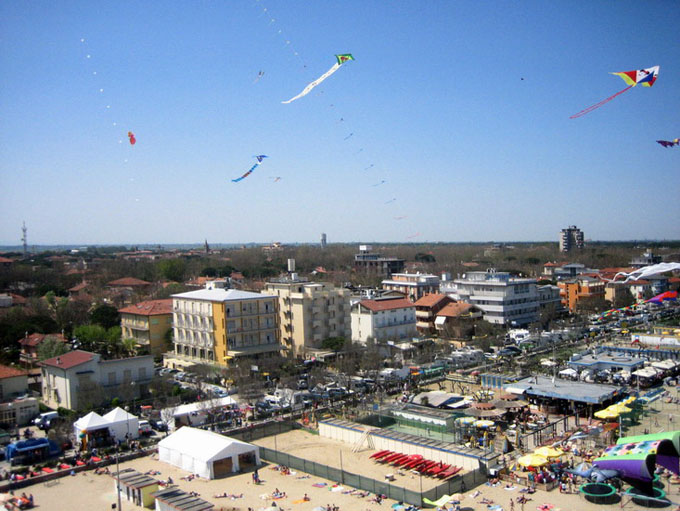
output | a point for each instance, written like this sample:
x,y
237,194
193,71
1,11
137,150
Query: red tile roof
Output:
x,y
18,299
431,300
6,260
10,372
69,360
383,305
79,287
550,264
149,308
128,282
453,310
35,339
637,282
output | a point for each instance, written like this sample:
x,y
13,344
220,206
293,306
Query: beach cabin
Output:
x,y
136,487
174,499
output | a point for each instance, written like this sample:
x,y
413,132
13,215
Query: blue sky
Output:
x,y
461,107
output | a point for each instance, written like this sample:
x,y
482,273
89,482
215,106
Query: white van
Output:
x,y
43,420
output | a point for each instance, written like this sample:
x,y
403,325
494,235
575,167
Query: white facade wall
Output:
x,y
60,386
193,322
392,324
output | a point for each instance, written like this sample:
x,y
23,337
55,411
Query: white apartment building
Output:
x,y
413,285
309,312
505,300
383,320
216,325
80,378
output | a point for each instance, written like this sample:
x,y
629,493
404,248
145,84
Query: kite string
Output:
x,y
598,105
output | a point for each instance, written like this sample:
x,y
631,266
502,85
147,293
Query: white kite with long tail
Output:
x,y
341,60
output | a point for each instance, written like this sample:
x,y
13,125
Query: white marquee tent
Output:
x,y
122,423
206,454
91,422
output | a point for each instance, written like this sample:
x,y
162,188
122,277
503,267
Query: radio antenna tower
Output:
x,y
24,239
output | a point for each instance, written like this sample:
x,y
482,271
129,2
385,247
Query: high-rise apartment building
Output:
x,y
309,312
571,238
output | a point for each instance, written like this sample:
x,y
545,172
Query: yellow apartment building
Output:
x,y
310,312
147,323
218,326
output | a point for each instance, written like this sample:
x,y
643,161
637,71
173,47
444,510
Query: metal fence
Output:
x,y
364,483
541,435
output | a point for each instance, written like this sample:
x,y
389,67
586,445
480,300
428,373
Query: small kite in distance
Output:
x,y
369,167
132,138
399,217
276,178
382,182
348,136
413,236
259,157
341,59
644,77
391,200
259,75
669,143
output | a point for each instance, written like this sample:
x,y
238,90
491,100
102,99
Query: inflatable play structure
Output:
x,y
634,460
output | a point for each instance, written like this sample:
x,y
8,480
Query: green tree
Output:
x,y
90,337
51,347
333,343
173,269
105,315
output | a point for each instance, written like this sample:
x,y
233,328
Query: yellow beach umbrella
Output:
x,y
607,413
549,452
532,460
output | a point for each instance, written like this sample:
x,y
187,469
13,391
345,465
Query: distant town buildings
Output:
x,y
571,238
646,259
368,262
217,325
412,285
323,240
309,312
505,300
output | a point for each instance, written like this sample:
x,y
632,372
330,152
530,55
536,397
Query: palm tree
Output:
x,y
130,346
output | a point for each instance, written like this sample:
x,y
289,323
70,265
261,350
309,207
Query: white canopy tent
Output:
x,y
205,453
122,423
91,422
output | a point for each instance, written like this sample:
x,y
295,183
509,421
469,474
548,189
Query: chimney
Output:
x,y
58,360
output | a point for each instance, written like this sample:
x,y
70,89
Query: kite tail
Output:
x,y
598,105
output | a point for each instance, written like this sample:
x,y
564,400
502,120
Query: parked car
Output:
x,y
145,428
43,420
158,425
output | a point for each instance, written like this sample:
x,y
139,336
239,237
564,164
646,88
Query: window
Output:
x,y
127,376
112,378
142,373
